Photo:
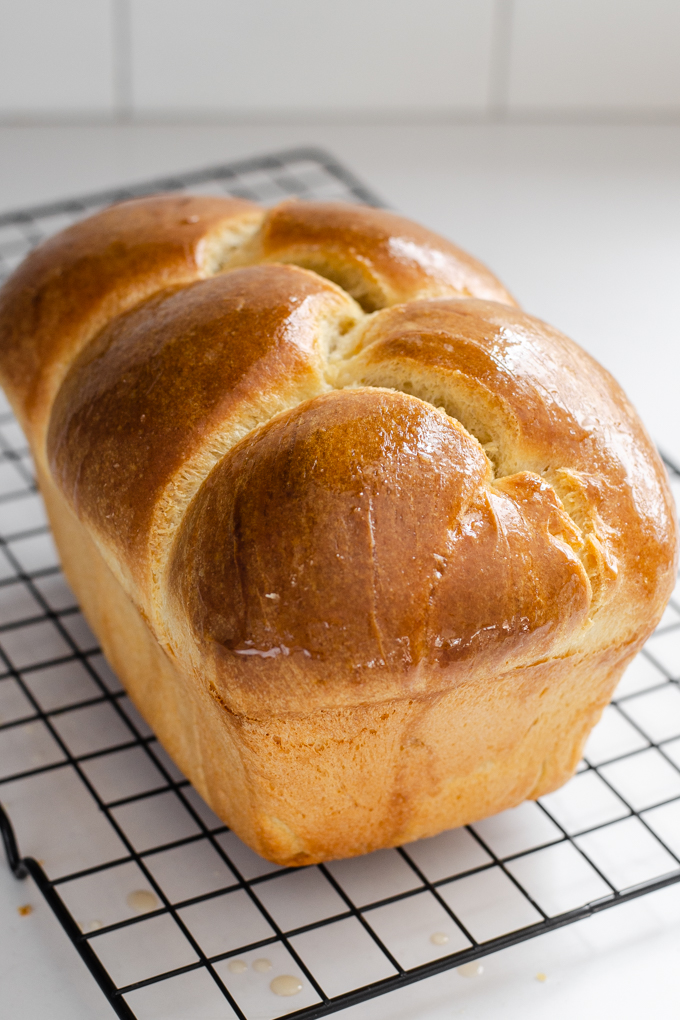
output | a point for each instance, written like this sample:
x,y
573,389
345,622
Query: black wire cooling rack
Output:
x,y
173,915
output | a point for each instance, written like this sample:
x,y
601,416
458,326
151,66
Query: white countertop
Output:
x,y
583,225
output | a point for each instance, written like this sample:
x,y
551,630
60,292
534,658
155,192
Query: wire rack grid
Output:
x,y
172,914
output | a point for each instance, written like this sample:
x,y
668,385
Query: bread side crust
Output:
x,y
345,781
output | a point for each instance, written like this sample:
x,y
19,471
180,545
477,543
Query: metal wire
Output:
x,y
70,741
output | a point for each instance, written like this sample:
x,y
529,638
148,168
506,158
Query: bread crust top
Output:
x,y
75,282
381,259
327,456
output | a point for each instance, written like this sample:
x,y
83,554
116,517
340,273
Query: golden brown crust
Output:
x,y
368,576
393,559
77,280
378,257
166,389
539,403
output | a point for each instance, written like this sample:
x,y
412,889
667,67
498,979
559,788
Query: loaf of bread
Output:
x,y
368,546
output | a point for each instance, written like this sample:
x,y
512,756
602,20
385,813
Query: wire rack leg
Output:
x,y
17,865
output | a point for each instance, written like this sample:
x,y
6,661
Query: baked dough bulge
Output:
x,y
539,404
368,546
379,258
74,283
152,404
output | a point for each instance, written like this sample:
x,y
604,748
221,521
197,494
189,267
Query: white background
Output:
x,y
240,58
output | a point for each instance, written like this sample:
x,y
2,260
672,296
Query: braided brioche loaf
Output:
x,y
368,546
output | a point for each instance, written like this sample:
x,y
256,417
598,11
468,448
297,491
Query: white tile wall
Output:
x,y
595,54
476,58
310,55
56,56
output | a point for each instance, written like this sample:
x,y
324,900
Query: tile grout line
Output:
x,y
121,16
500,58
